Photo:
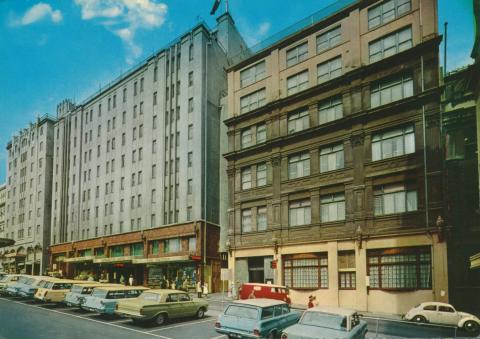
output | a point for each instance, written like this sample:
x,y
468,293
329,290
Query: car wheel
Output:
x,y
201,313
470,326
160,319
271,335
419,319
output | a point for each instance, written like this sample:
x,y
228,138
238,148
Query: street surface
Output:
x,y
26,319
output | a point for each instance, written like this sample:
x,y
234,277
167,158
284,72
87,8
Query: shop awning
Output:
x,y
475,261
80,259
160,260
113,260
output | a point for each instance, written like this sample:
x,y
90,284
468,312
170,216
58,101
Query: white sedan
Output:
x,y
444,314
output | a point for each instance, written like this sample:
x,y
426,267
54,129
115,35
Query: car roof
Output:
x,y
96,284
266,285
332,310
260,302
121,288
165,290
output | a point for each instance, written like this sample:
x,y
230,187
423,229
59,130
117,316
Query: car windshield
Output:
x,y
29,281
22,280
48,285
99,293
242,312
62,286
150,296
327,320
76,289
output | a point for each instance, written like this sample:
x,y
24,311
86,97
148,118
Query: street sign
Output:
x,y
225,274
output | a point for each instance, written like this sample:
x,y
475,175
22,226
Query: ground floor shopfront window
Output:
x,y
175,276
407,268
306,271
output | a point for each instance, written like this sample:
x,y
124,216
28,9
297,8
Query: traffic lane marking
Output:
x,y
181,325
220,336
88,319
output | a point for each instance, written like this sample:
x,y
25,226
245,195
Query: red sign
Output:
x,y
196,257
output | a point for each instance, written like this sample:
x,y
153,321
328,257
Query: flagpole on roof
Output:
x,y
226,6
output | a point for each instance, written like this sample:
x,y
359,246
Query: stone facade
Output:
x,y
29,191
335,162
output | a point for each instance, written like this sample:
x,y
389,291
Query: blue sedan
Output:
x,y
256,318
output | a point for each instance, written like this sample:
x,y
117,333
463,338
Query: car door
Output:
x,y
187,307
430,312
447,315
173,305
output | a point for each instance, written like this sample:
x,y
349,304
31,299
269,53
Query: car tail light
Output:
x,y
217,324
256,332
284,336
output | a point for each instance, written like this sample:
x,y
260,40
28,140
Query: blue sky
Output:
x,y
51,50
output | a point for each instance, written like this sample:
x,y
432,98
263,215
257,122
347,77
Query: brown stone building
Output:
x,y
334,140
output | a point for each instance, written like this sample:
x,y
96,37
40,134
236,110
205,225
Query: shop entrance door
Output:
x,y
256,271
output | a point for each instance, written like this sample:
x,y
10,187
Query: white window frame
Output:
x,y
261,131
262,221
297,54
246,139
329,69
390,44
387,11
390,90
297,82
332,207
400,140
299,165
329,39
298,121
252,74
252,101
332,154
330,110
246,178
394,199
246,220
299,213
261,174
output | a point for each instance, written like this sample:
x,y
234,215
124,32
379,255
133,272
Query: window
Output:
x,y
329,39
331,158
332,207
246,220
261,218
310,272
390,199
261,174
346,270
261,133
246,137
400,268
190,52
389,45
298,121
190,132
252,101
252,74
430,308
189,213
189,186
192,244
329,69
393,143
190,159
447,309
154,146
190,105
299,165
135,88
246,178
297,83
387,11
297,54
154,98
330,110
124,96
299,213
190,79
390,90
141,84
456,143
171,245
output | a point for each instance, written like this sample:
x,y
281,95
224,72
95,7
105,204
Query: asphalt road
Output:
x,y
25,319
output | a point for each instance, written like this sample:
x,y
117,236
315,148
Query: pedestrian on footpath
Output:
x,y
312,301
199,289
130,280
205,289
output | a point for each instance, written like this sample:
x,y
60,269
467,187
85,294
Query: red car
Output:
x,y
269,291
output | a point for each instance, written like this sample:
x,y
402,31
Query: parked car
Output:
x,y
254,318
8,280
54,291
75,297
30,287
269,291
445,314
327,322
13,288
103,300
161,305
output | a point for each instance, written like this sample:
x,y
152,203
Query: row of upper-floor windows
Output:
x,y
387,199
384,145
381,48
331,109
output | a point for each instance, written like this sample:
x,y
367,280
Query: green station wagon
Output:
x,y
256,318
161,305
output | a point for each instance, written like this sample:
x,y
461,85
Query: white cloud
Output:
x,y
254,35
124,17
38,12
